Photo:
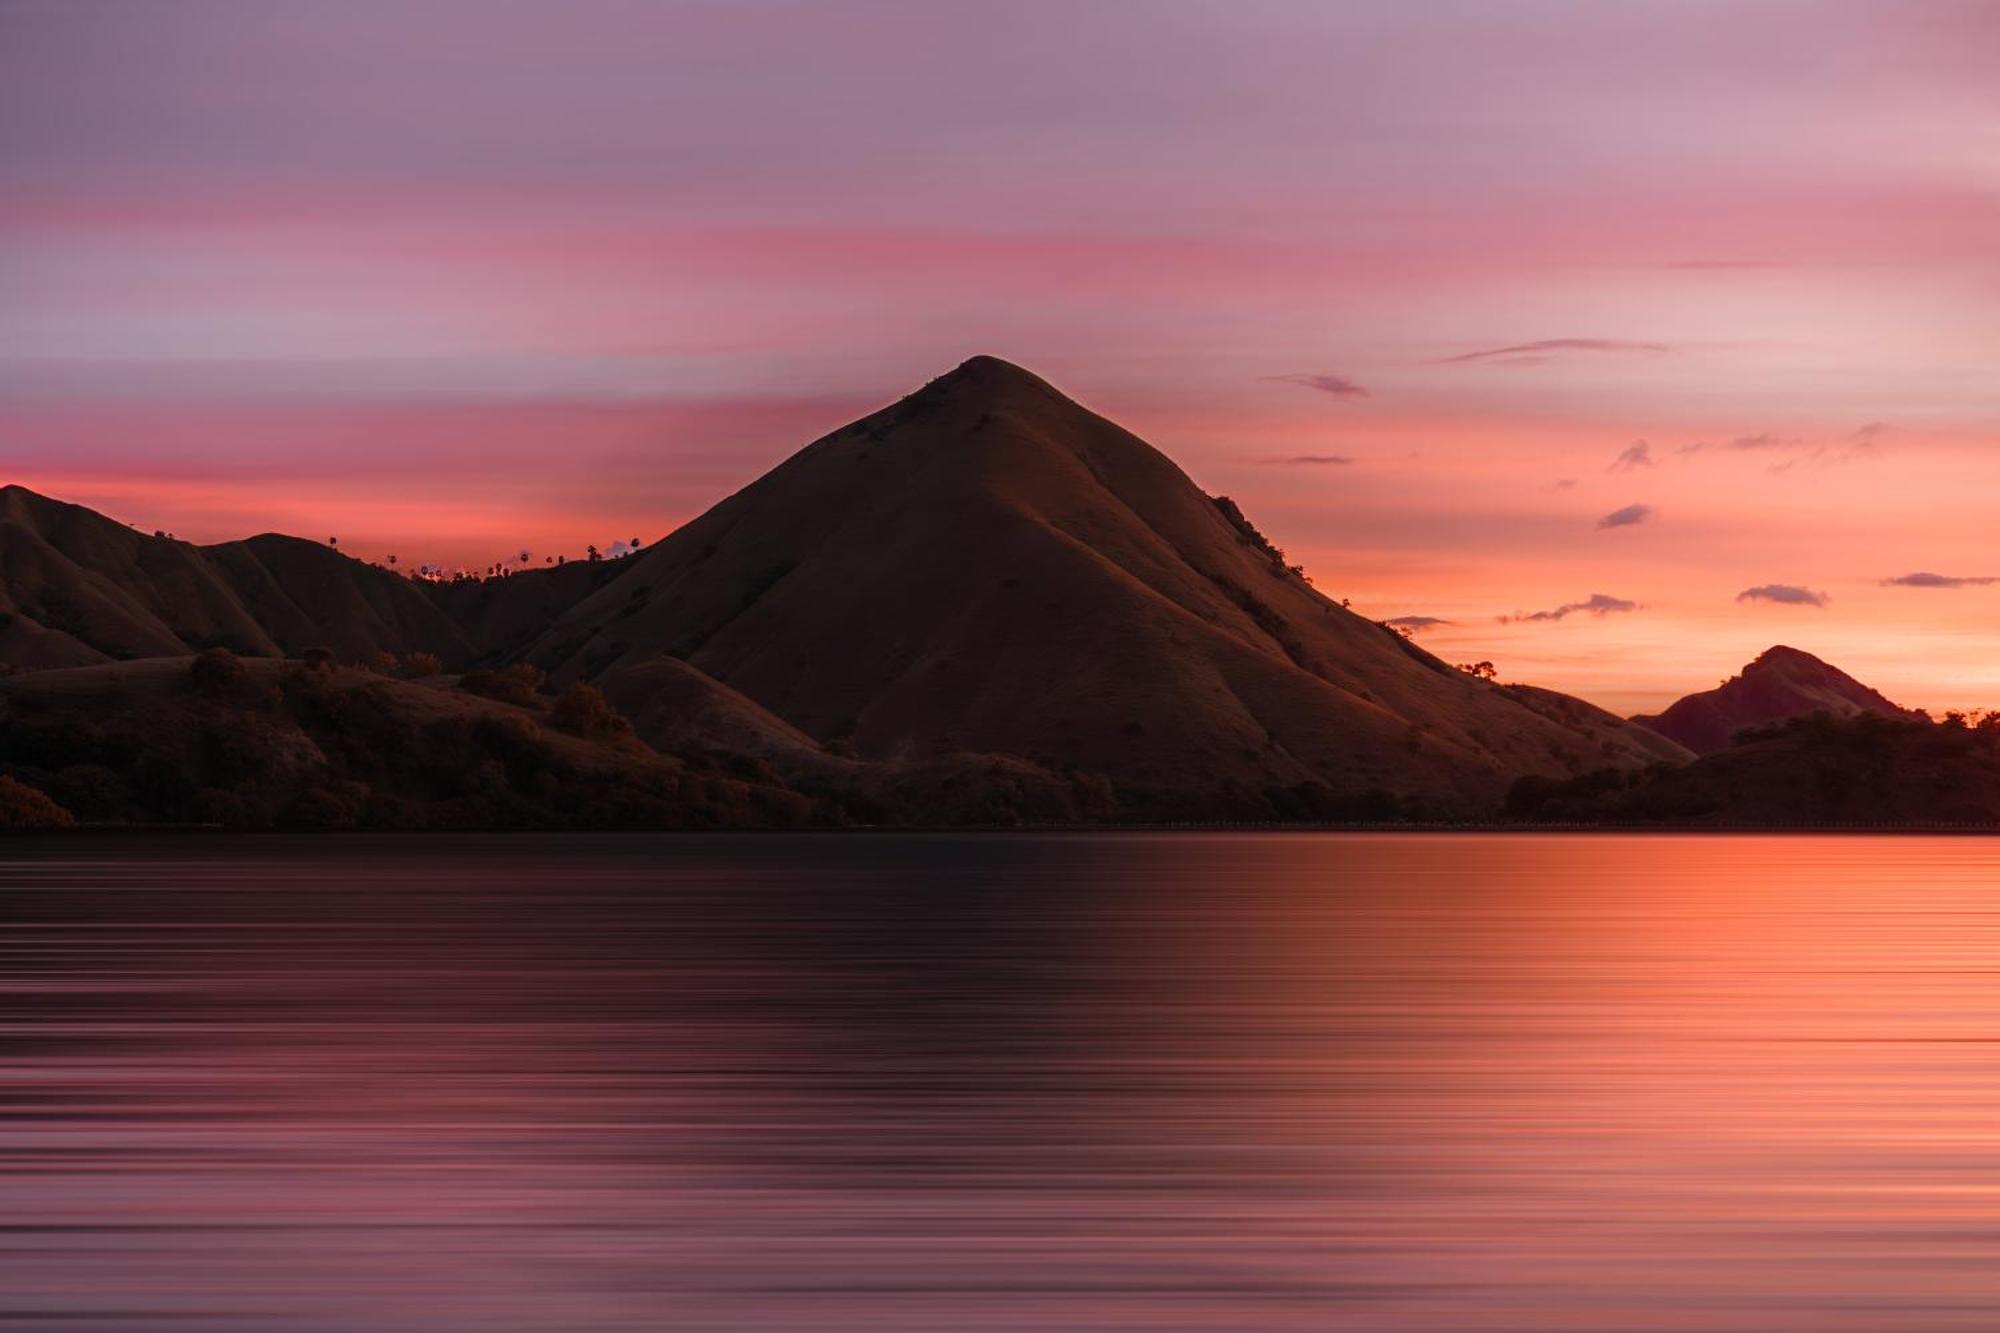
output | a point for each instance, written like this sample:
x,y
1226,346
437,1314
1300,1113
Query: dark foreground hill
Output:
x,y
260,743
78,588
250,743
986,567
1782,683
1820,771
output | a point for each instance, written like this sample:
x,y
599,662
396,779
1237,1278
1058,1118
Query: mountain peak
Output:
x,y
989,377
1781,655
1782,682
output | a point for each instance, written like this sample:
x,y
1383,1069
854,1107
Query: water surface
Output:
x,y
1001,1082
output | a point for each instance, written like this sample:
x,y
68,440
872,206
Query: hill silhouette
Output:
x,y
1782,683
78,588
988,567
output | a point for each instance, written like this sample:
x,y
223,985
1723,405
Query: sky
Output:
x,y
1613,342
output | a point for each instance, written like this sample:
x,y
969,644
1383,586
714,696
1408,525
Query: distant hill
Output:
x,y
1782,683
78,588
1819,771
988,567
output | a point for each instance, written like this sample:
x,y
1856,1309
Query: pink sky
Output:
x,y
460,278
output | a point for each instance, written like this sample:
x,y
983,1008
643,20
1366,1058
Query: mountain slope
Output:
x,y
1782,683
987,567
78,588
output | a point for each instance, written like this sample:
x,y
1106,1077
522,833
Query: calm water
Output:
x,y
1163,1082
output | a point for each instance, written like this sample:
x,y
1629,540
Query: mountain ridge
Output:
x,y
79,588
1779,684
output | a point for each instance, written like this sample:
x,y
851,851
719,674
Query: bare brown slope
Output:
x,y
988,567
81,588
1782,683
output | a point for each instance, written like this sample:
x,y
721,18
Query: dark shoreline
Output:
x,y
415,835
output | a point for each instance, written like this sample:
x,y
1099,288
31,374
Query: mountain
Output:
x,y
987,567
1816,771
1782,683
78,588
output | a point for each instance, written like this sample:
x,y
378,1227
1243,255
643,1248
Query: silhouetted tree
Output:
x,y
593,553
1482,670
333,541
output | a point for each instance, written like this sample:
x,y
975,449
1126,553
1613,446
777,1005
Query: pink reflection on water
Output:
x,y
1110,1082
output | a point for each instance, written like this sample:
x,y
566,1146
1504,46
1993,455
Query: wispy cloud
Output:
x,y
1530,353
1337,386
1792,449
1633,457
1627,517
1922,579
1307,460
1786,594
1722,265
1598,604
1563,484
1417,624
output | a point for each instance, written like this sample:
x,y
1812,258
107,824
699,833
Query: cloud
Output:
x,y
1308,460
1599,604
1564,484
1920,579
1417,624
1710,265
1788,594
1859,444
1627,517
1636,455
1531,353
1330,384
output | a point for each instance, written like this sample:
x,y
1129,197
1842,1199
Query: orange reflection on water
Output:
x,y
1120,1081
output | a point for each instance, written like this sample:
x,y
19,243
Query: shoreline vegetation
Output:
x,y
221,743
